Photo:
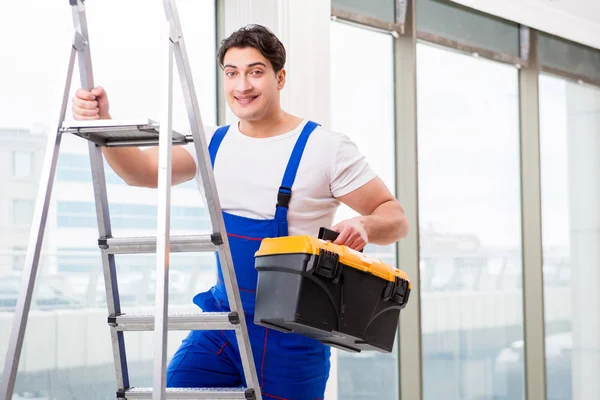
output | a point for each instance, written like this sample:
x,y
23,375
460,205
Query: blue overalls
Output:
x,y
289,366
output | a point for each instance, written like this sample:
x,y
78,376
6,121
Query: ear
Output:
x,y
281,75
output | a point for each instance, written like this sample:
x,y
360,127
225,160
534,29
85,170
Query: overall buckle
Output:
x,y
284,196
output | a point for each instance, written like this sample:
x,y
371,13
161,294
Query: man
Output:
x,y
268,152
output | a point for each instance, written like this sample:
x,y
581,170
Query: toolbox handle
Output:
x,y
329,235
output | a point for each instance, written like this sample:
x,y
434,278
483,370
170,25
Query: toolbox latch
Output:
x,y
327,264
397,291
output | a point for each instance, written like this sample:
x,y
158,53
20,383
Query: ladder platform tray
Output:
x,y
113,133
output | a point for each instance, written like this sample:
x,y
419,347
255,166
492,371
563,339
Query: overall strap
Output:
x,y
215,142
284,194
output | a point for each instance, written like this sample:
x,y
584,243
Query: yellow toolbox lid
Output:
x,y
347,256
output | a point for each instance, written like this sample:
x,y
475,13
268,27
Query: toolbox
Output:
x,y
337,295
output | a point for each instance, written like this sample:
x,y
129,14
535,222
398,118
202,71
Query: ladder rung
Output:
x,y
135,245
192,393
112,133
177,321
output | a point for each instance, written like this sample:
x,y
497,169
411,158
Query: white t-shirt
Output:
x,y
249,171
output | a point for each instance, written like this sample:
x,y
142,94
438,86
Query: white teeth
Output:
x,y
246,99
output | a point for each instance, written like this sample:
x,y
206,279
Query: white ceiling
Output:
x,y
577,20
588,9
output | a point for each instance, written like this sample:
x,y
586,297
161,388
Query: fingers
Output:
x,y
98,91
84,112
84,94
357,243
78,117
349,236
343,236
86,104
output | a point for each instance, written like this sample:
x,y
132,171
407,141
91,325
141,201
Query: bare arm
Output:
x,y
140,167
135,166
382,220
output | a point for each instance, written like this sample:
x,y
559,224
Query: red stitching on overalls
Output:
x,y
243,237
274,397
222,347
262,368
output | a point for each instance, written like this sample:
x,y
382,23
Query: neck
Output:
x,y
275,124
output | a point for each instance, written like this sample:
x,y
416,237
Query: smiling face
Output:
x,y
252,86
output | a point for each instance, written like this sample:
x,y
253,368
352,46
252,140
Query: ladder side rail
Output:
x,y
196,124
163,219
211,196
36,236
101,199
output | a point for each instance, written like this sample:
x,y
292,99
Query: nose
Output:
x,y
243,84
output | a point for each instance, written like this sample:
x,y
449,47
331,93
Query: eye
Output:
x,y
229,73
256,72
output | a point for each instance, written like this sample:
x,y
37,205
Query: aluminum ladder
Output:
x,y
139,133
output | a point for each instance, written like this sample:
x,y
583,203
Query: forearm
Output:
x,y
386,224
132,165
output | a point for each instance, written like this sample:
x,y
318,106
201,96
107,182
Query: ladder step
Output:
x,y
177,321
192,393
136,245
110,133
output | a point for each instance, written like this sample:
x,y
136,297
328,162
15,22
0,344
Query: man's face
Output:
x,y
251,85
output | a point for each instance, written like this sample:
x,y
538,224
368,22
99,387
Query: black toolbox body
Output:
x,y
328,292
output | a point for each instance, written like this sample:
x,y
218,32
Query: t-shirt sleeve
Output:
x,y
350,169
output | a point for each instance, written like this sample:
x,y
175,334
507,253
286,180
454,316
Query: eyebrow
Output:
x,y
254,64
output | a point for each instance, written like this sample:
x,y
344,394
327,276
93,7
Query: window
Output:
x,y
364,110
569,152
470,226
23,212
22,164
383,10
573,58
453,21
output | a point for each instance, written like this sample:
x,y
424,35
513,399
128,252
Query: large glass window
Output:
x,y
449,20
362,106
68,355
383,10
470,231
564,55
569,141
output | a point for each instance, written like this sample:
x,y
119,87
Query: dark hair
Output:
x,y
258,37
